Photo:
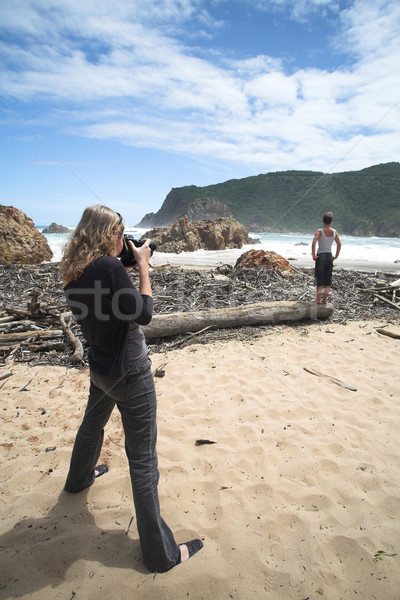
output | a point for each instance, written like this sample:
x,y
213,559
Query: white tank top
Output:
x,y
325,242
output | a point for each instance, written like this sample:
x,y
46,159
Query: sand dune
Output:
x,y
293,501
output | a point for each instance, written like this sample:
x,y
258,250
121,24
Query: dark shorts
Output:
x,y
323,269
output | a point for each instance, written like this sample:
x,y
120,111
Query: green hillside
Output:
x,y
365,202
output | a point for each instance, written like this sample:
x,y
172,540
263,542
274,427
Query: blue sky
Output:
x,y
118,102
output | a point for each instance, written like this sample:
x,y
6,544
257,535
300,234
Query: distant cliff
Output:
x,y
176,206
365,202
54,228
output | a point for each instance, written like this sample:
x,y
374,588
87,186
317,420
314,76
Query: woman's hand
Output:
x,y
141,253
142,256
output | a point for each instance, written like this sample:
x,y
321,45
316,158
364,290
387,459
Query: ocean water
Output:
x,y
363,253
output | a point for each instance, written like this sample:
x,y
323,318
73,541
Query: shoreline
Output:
x,y
205,264
209,262
361,266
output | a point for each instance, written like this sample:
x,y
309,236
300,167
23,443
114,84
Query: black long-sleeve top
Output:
x,y
104,301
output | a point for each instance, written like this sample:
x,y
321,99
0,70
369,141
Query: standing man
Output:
x,y
323,258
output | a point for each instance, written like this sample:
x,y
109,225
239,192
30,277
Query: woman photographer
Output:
x,y
110,310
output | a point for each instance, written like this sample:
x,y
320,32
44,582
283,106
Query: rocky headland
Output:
x,y
365,202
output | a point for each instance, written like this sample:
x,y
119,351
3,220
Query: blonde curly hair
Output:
x,y
93,237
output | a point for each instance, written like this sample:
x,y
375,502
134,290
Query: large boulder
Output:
x,y
187,236
20,241
256,259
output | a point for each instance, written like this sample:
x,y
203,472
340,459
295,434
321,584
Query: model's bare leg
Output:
x,y
326,294
319,292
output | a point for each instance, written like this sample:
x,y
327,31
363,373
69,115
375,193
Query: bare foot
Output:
x,y
100,470
190,548
184,552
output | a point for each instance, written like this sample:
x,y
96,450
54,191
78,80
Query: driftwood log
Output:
x,y
44,334
248,314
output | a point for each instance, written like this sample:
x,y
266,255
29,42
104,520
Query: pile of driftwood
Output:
x,y
387,291
36,326
34,319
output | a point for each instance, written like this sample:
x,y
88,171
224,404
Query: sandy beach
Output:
x,y
294,499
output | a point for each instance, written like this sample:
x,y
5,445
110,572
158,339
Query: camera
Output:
x,y
126,255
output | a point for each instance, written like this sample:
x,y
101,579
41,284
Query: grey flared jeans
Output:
x,y
135,397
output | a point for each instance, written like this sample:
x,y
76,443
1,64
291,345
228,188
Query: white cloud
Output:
x,y
372,26
124,66
300,9
272,89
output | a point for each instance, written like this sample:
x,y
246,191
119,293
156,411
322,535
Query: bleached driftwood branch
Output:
x,y
391,334
338,382
5,374
77,356
388,301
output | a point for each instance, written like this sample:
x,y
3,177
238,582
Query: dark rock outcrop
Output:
x,y
208,208
187,236
373,229
54,228
174,207
267,260
20,241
